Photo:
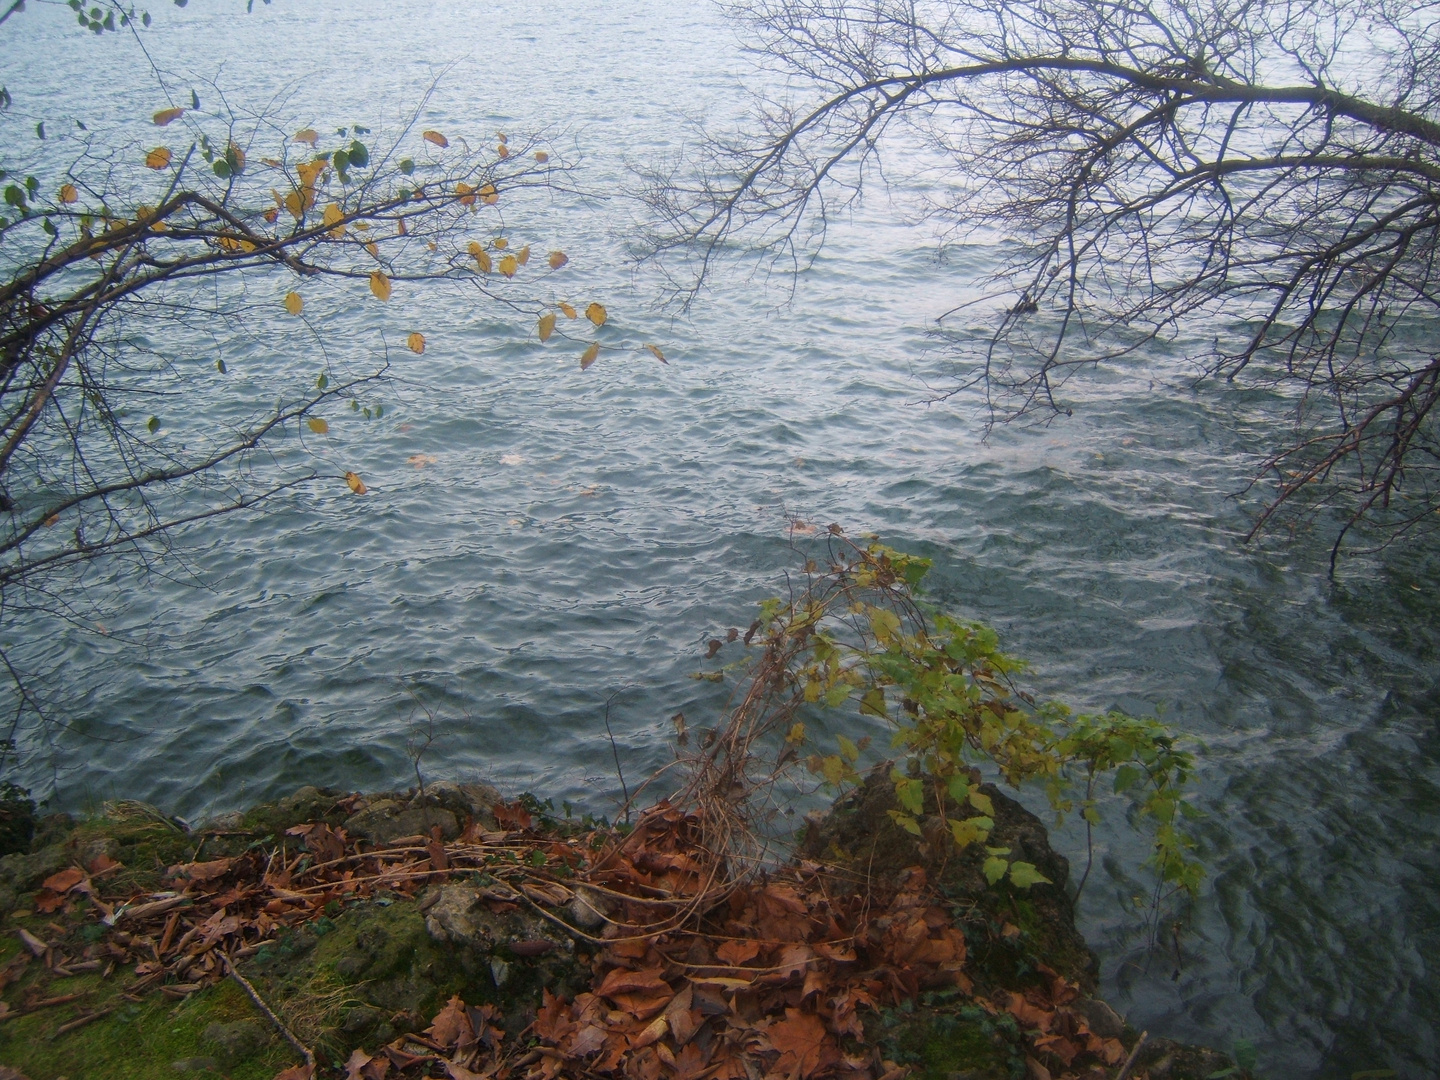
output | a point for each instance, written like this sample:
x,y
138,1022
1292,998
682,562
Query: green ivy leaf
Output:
x,y
994,868
1023,875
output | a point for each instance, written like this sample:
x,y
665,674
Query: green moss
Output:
x,y
138,1041
952,1044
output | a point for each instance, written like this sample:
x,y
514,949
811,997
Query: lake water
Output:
x,y
579,536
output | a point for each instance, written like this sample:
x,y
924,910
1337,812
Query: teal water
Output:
x,y
578,535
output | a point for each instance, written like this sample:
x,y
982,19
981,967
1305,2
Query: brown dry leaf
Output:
x,y
691,1063
451,1024
738,952
380,285
416,342
588,356
52,521
596,314
65,880
157,158
655,351
466,193
101,863
294,303
656,1030
558,259
547,325
624,981
356,484
800,1038
202,871
569,311
838,951
68,194
296,1072
420,460
167,116
642,1006
541,156
523,255
309,136
1028,1014
436,138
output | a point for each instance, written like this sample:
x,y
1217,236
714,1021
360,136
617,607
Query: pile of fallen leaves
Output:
x,y
699,972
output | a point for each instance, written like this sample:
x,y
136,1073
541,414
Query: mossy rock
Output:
x,y
375,971
859,834
940,1042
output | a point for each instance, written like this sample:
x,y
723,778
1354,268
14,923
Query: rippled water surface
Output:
x,y
578,535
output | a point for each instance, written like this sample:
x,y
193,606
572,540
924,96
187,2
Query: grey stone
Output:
x,y
1100,1017
588,909
236,1041
464,800
351,967
458,917
196,1064
24,872
359,1018
307,801
234,820
499,971
386,821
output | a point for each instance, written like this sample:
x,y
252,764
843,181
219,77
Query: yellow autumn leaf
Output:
x,y
317,425
436,138
501,243
157,158
416,342
508,266
373,249
547,325
239,157
558,259
294,304
68,194
655,349
523,255
333,214
568,310
271,215
310,172
482,257
166,116
380,285
596,314
295,203
466,193
488,195
503,151
588,356
541,156
356,484
309,136
502,137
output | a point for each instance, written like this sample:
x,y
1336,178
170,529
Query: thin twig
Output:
x,y
1134,1052
616,751
254,995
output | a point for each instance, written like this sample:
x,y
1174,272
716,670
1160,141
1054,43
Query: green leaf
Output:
x,y
905,821
359,155
153,425
40,129
849,749
341,161
407,165
220,366
322,381
873,703
980,801
885,625
994,868
1024,874
222,168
